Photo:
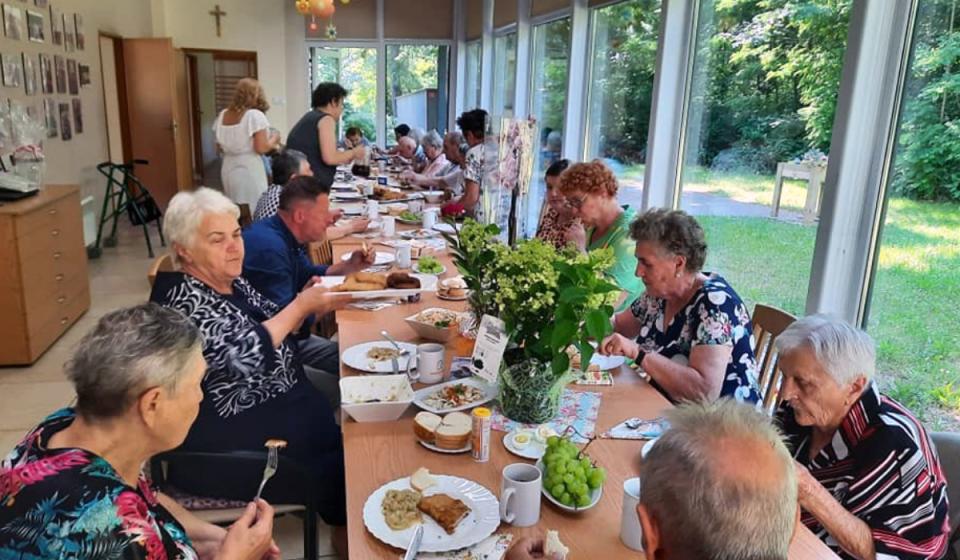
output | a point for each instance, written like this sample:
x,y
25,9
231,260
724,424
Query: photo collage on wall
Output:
x,y
53,72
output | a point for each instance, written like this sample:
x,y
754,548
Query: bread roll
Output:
x,y
425,426
422,479
454,432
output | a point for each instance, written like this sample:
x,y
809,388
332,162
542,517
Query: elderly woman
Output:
x,y
450,177
870,482
557,224
255,387
75,486
436,161
590,193
690,331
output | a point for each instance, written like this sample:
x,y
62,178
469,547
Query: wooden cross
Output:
x,y
217,13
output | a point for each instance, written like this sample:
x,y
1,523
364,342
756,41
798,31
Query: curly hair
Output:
x,y
589,178
674,231
249,95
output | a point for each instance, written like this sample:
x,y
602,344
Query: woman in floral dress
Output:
x,y
689,331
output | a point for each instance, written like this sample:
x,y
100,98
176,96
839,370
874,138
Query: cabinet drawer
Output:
x,y
47,277
46,301
58,321
50,217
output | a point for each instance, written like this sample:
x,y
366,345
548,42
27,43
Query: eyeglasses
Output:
x,y
574,202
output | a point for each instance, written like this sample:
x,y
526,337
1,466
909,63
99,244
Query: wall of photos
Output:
x,y
50,65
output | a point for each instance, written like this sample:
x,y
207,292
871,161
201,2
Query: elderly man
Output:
x,y
277,266
408,154
449,177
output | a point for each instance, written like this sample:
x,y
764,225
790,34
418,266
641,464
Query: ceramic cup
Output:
x,y
415,205
373,210
430,361
388,226
630,531
367,188
430,218
520,495
403,255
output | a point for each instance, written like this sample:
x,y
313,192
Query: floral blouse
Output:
x,y
714,316
71,504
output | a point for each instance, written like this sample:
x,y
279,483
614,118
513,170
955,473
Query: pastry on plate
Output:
x,y
362,282
446,511
402,281
453,287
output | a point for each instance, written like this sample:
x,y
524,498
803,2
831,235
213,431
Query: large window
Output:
x,y
356,70
417,78
764,89
549,65
504,75
624,52
912,312
471,82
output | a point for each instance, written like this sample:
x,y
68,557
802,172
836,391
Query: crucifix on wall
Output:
x,y
217,13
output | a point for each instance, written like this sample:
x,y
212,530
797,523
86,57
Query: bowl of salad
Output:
x,y
436,324
409,218
429,265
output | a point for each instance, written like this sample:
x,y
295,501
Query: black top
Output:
x,y
304,137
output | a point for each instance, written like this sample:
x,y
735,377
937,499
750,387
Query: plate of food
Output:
x,y
454,396
455,512
419,234
453,289
444,227
435,323
346,195
409,218
382,258
529,444
429,265
352,209
367,285
446,434
378,356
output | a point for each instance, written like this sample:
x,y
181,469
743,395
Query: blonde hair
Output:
x,y
249,95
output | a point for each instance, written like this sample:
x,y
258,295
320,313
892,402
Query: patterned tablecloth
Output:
x,y
577,408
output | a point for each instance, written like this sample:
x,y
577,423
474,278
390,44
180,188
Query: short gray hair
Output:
x,y
185,214
128,351
717,510
843,350
676,232
432,139
417,134
455,136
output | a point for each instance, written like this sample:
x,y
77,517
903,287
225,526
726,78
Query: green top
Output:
x,y
624,269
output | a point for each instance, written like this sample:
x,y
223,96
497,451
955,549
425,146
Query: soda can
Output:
x,y
481,434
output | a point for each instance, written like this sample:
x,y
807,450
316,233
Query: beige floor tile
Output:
x,y
288,534
26,404
9,438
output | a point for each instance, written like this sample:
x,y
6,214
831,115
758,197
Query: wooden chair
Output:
x,y
321,252
163,263
246,217
768,323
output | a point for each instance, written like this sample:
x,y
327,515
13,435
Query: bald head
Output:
x,y
720,484
406,147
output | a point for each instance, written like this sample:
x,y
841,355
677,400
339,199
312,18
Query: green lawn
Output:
x,y
913,317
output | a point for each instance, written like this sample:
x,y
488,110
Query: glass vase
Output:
x,y
530,392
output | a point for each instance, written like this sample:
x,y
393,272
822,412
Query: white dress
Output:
x,y
243,173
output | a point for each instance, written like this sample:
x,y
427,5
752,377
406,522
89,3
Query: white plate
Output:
x,y
480,523
346,195
416,268
428,283
433,447
356,357
533,450
445,227
350,209
418,234
594,494
464,297
490,393
408,222
607,363
343,187
646,448
382,258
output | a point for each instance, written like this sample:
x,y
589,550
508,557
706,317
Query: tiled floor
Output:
x,y
28,394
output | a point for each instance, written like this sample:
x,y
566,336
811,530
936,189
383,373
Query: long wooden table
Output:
x,y
376,453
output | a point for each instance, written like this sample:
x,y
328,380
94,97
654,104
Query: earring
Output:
x,y
677,275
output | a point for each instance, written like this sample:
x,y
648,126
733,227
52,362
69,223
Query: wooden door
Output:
x,y
157,113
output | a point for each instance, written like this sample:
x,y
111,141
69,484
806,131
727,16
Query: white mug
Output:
x,y
631,533
415,205
368,188
389,226
373,210
430,362
430,218
403,255
520,495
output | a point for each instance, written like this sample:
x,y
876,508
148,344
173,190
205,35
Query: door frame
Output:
x,y
121,78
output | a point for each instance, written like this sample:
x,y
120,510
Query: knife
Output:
x,y
414,545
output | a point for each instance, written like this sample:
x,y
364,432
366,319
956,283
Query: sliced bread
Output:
x,y
425,425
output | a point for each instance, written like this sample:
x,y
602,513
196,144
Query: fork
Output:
x,y
273,460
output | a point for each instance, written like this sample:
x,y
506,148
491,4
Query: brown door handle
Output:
x,y
57,255
65,320
55,233
58,277
52,211
61,299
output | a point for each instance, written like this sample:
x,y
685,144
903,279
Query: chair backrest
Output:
x,y
163,263
246,218
321,252
948,449
768,323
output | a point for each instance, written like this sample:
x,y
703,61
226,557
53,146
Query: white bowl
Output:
x,y
430,332
433,197
595,493
375,398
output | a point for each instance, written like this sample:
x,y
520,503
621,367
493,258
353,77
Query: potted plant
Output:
x,y
548,300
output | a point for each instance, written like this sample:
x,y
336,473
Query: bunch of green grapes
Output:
x,y
570,475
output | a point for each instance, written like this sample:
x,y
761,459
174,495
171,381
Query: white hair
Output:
x,y
843,350
185,213
735,510
432,139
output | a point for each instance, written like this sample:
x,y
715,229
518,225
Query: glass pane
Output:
x,y
764,89
911,313
356,70
549,63
504,75
417,78
624,41
471,98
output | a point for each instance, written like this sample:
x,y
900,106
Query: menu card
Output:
x,y
488,352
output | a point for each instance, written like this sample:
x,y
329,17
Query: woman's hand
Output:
x,y
576,235
251,536
806,484
320,301
618,345
526,549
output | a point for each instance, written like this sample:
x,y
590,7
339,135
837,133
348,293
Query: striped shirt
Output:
x,y
882,467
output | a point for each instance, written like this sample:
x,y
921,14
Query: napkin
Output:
x,y
595,378
637,428
493,547
371,305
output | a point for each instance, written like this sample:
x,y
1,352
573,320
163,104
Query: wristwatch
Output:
x,y
640,356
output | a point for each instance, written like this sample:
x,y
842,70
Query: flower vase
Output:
x,y
529,392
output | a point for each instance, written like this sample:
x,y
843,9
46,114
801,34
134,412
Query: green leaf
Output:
x,y
563,333
598,324
560,363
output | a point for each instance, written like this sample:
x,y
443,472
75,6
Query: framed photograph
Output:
x,y
84,72
13,22
60,69
65,125
56,26
81,36
77,116
41,3
50,117
72,78
12,70
29,74
68,37
35,27
46,74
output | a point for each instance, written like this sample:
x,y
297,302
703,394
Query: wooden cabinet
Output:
x,y
44,287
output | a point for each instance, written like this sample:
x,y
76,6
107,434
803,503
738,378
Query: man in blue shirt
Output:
x,y
276,264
